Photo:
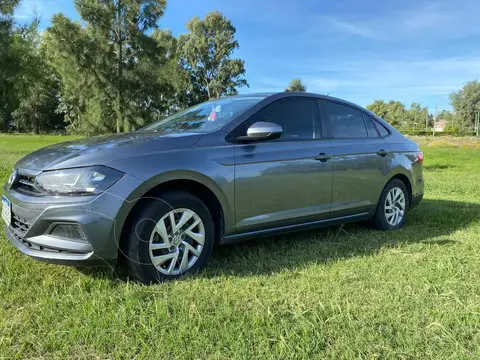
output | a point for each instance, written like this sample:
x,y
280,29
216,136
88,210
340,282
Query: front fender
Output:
x,y
207,166
218,186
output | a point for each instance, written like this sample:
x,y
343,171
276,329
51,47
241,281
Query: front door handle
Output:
x,y
323,157
382,152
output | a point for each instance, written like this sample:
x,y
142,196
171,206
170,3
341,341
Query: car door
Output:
x,y
360,160
284,181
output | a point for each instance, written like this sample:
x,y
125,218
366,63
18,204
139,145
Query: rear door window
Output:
x,y
345,121
382,130
371,130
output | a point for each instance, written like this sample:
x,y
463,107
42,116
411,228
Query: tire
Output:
x,y
145,232
381,220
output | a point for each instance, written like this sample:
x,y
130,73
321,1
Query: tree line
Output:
x,y
117,70
465,103
114,71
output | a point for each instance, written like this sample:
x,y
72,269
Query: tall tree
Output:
x,y
445,115
9,64
115,53
416,116
205,52
466,102
394,112
379,107
176,91
38,98
7,6
397,114
296,85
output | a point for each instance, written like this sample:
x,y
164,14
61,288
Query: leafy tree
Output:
x,y
83,103
416,116
393,112
7,6
397,114
175,83
466,102
9,67
36,110
115,55
205,52
23,76
296,85
379,107
445,115
38,99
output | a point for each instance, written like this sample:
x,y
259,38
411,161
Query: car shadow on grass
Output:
x,y
431,220
427,224
439,167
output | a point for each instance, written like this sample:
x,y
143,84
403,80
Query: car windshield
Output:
x,y
205,117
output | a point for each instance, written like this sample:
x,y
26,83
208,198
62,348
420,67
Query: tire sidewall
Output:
x,y
380,217
144,223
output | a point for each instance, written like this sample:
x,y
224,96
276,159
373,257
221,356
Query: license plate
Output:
x,y
6,210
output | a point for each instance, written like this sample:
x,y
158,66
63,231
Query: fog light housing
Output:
x,y
68,232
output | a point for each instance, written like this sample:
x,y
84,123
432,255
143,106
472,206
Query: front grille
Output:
x,y
26,183
20,225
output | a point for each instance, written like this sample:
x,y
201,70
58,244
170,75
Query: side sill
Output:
x,y
230,239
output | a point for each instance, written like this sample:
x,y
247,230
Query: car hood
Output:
x,y
99,149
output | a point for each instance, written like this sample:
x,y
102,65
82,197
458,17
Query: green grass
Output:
x,y
343,292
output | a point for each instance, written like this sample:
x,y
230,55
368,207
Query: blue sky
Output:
x,y
358,50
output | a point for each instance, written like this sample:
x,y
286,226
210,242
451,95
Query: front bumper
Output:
x,y
99,219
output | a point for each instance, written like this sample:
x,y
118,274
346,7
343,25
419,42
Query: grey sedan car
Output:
x,y
223,171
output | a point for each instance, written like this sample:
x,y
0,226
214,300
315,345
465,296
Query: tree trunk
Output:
x,y
119,113
208,92
5,123
120,94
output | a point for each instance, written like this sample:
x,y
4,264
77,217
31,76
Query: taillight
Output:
x,y
420,157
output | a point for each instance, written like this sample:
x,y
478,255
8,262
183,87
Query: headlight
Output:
x,y
80,181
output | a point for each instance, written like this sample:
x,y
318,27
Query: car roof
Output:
x,y
284,94
280,94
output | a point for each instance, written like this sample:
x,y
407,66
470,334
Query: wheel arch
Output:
x,y
404,177
195,183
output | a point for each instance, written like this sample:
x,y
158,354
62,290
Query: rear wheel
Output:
x,y
170,236
392,207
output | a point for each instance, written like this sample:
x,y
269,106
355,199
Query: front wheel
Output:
x,y
392,207
170,236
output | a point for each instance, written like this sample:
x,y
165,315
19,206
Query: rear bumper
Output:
x,y
416,200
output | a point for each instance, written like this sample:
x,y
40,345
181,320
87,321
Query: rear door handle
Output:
x,y
323,157
382,152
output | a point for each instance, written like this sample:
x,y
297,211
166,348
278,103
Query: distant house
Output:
x,y
440,125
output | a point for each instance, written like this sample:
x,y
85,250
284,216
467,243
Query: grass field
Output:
x,y
343,292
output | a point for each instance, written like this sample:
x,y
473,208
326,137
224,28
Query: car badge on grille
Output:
x,y
12,178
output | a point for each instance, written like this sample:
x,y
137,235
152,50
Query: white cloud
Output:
x,y
350,27
428,81
451,19
407,81
28,10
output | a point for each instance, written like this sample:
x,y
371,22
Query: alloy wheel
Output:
x,y
177,241
395,206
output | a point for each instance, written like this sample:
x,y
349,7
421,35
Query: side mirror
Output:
x,y
262,131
